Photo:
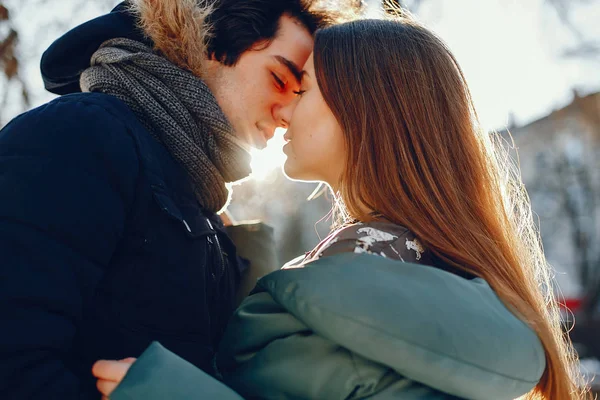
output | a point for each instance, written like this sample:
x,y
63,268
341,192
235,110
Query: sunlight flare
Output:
x,y
270,158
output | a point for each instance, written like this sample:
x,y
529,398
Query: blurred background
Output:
x,y
534,70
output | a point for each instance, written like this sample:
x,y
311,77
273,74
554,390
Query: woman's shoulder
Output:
x,y
372,232
382,238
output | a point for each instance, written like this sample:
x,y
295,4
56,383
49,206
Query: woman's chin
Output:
x,y
295,174
289,171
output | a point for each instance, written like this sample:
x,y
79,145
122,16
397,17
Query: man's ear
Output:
x,y
211,56
211,66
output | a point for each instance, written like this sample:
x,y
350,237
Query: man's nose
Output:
x,y
282,114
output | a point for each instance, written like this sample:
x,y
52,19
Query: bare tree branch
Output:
x,y
563,9
585,48
392,6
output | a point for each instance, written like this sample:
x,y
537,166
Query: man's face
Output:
x,y
253,92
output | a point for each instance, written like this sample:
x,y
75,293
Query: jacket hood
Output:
x,y
429,325
174,28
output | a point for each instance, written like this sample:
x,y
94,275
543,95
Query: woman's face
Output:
x,y
315,149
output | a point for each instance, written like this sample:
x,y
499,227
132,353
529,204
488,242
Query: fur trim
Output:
x,y
178,29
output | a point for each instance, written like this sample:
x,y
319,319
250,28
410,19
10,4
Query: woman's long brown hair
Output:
x,y
417,155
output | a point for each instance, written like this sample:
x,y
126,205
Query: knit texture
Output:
x,y
178,109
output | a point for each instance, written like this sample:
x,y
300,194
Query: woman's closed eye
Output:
x,y
299,92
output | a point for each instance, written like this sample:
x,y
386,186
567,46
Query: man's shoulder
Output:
x,y
80,108
89,111
88,129
84,119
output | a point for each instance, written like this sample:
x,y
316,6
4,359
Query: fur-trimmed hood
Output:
x,y
178,29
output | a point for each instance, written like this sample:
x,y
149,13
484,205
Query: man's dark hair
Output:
x,y
237,25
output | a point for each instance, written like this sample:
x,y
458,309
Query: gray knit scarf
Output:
x,y
178,109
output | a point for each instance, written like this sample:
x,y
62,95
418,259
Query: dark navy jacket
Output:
x,y
103,249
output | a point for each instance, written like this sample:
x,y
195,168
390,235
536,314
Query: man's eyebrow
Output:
x,y
292,67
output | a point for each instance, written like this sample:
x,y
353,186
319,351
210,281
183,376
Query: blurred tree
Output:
x,y
565,190
570,182
9,62
585,47
411,5
574,185
15,54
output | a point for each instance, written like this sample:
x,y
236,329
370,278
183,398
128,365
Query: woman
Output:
x,y
385,118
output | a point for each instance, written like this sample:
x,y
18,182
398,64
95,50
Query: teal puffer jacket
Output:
x,y
356,326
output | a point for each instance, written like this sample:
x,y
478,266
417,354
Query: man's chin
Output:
x,y
251,139
259,143
254,141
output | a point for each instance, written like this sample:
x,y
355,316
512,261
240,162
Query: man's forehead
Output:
x,y
292,40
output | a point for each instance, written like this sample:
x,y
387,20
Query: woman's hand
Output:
x,y
110,373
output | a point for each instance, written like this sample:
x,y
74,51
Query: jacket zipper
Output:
x,y
218,244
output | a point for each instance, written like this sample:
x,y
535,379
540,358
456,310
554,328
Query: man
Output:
x,y
109,233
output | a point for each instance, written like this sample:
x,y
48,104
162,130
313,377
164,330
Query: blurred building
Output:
x,y
559,157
